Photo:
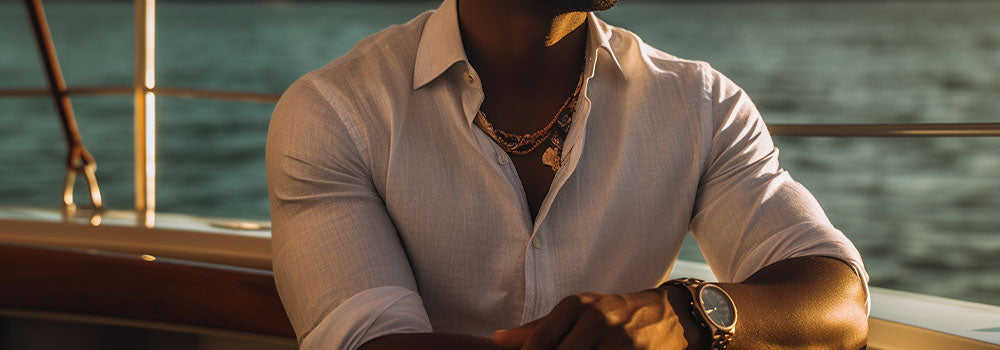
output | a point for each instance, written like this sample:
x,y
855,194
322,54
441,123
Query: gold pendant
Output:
x,y
551,158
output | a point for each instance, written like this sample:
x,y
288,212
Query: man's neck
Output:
x,y
521,42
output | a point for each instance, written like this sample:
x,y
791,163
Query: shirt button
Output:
x,y
503,159
535,242
468,78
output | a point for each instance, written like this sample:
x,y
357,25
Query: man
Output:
x,y
521,166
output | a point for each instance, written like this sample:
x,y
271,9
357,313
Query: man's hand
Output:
x,y
643,320
800,303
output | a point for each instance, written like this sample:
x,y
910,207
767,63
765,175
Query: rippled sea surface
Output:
x,y
925,212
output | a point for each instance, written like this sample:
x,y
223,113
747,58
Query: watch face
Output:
x,y
718,306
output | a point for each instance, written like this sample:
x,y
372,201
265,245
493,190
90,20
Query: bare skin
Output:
x,y
529,59
800,303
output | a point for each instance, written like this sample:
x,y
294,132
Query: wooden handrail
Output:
x,y
141,287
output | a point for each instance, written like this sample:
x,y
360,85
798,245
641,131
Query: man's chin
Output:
x,y
582,5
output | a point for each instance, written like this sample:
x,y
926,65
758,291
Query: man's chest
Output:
x,y
447,179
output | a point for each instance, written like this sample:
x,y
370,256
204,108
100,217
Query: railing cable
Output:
x,y
78,160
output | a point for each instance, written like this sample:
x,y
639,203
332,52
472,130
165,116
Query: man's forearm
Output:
x,y
800,303
420,341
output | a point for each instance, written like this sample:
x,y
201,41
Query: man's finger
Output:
x,y
555,325
587,333
514,338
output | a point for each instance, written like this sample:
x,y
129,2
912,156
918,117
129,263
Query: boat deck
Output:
x,y
191,279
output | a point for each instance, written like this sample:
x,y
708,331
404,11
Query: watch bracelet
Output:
x,y
720,339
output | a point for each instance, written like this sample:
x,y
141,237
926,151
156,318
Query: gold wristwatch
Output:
x,y
713,307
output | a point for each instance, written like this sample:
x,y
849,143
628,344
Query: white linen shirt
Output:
x,y
392,212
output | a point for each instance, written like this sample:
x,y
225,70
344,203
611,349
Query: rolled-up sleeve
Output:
x,y
749,213
339,266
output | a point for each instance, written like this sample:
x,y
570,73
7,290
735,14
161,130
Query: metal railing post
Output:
x,y
145,112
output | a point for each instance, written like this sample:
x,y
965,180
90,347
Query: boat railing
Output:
x,y
145,92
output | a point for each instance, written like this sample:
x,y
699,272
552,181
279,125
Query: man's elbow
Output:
x,y
855,329
850,317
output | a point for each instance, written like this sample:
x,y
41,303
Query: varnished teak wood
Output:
x,y
126,286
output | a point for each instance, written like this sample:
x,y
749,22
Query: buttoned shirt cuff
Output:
x,y
863,275
367,315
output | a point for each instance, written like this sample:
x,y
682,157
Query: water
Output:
x,y
923,211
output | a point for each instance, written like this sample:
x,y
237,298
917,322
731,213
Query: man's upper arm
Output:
x,y
331,236
749,212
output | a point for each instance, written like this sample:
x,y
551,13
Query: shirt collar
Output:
x,y
599,35
441,43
